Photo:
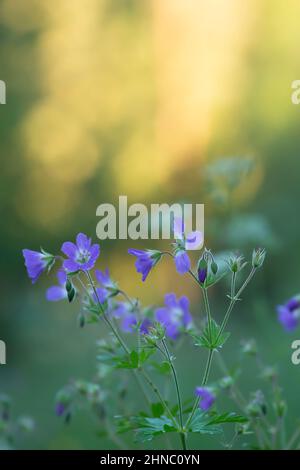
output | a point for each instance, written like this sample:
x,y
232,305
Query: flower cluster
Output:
x,y
175,317
157,328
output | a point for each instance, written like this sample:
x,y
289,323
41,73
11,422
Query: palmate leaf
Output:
x,y
205,423
145,428
157,409
163,368
214,341
135,359
148,428
201,424
228,418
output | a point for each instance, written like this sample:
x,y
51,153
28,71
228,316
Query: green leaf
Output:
x,y
162,367
145,427
157,409
148,428
215,341
228,418
200,424
145,354
135,359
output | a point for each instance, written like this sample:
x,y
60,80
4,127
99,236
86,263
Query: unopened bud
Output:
x,y
258,257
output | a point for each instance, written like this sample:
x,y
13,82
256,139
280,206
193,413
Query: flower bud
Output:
x,y
258,257
257,406
226,382
269,373
202,270
63,400
214,267
236,263
70,290
280,408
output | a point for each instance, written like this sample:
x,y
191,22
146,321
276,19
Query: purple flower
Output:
x,y
128,323
101,295
120,309
288,314
58,292
207,398
145,261
36,262
175,315
103,277
82,256
145,326
59,409
182,262
123,311
108,287
293,304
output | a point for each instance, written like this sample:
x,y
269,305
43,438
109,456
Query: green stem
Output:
x,y
170,361
159,395
233,299
204,382
190,271
207,309
122,343
209,358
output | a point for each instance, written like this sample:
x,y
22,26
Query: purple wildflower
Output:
x,y
36,262
103,277
288,314
182,262
59,409
128,323
58,292
146,260
123,311
120,309
82,256
292,304
100,295
175,315
207,398
145,326
108,287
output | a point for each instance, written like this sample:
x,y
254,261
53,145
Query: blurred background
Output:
x,y
163,101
